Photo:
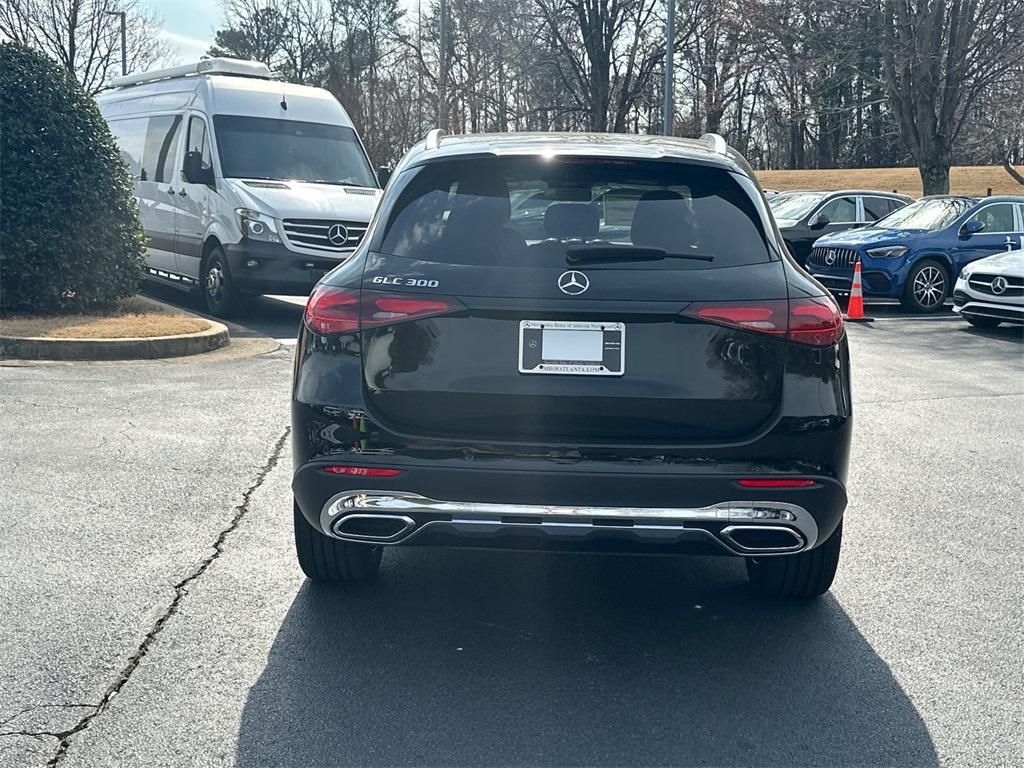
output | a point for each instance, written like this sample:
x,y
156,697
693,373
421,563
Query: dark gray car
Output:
x,y
804,215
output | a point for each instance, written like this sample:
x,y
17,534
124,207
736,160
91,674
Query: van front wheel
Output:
x,y
219,290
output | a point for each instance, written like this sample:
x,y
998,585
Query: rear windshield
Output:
x,y
533,211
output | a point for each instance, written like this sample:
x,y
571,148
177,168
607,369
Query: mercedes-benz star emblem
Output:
x,y
337,234
831,256
999,285
573,283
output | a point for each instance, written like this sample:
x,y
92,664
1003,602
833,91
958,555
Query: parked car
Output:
x,y
990,291
916,253
245,184
674,386
805,215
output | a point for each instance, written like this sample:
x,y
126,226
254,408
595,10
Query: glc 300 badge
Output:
x,y
573,283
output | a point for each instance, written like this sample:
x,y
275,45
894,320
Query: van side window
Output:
x,y
130,136
197,140
161,145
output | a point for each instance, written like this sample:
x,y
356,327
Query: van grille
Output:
x,y
325,234
834,258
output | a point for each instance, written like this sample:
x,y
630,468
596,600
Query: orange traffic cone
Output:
x,y
855,307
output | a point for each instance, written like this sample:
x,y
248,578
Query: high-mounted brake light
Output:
x,y
775,482
363,471
332,310
816,321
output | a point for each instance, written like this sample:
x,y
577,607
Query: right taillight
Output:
x,y
816,321
332,310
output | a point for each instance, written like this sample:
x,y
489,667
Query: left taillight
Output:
x,y
333,310
814,321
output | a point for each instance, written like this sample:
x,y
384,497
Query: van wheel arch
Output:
x,y
209,244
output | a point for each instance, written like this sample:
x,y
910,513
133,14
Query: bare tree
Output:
x,y
85,35
941,56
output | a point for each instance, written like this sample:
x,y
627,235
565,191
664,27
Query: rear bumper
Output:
x,y
684,510
272,268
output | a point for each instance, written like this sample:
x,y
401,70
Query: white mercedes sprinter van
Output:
x,y
245,184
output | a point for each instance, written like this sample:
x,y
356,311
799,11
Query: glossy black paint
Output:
x,y
435,398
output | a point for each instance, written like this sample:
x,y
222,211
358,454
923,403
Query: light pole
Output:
x,y
442,75
670,43
124,43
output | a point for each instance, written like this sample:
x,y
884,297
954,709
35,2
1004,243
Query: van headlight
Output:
x,y
257,226
887,252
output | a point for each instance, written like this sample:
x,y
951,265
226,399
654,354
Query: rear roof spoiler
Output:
x,y
218,66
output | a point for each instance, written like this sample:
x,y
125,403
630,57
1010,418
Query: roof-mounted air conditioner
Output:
x,y
236,67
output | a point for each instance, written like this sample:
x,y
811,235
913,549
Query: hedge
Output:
x,y
70,238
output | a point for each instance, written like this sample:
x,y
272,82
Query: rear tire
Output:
x,y
332,561
927,287
800,576
982,322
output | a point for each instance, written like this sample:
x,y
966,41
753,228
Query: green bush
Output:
x,y
70,238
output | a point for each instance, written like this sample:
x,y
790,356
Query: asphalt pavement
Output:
x,y
154,615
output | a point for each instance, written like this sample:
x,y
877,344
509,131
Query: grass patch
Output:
x,y
132,318
963,180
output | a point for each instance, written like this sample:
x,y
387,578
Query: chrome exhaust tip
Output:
x,y
763,539
382,529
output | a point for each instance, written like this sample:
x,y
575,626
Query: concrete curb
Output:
x,y
38,348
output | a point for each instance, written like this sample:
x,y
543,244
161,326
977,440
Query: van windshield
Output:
x,y
290,150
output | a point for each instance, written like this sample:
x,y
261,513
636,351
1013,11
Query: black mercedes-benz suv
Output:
x,y
573,342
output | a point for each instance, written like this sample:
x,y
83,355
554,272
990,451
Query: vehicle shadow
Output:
x,y
1004,332
475,658
264,316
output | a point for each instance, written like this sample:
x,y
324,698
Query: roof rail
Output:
x,y
716,142
219,66
433,140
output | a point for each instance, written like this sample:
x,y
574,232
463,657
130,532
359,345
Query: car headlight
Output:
x,y
257,226
887,252
964,275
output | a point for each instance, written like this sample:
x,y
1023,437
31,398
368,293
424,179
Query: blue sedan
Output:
x,y
916,253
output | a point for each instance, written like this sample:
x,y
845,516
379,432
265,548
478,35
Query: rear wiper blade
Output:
x,y
593,252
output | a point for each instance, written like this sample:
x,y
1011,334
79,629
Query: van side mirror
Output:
x,y
383,176
972,226
819,221
194,170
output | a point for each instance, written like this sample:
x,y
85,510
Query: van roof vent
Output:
x,y
218,66
266,184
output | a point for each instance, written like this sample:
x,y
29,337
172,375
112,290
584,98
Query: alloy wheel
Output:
x,y
929,286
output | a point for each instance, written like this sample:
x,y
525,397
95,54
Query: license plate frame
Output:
x,y
612,348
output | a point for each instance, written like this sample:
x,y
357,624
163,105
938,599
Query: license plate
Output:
x,y
571,348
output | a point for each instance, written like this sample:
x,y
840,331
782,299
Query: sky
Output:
x,y
189,25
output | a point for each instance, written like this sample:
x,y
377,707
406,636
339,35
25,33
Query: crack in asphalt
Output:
x,y
180,590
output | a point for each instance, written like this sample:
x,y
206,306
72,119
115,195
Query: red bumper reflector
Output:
x,y
774,482
363,471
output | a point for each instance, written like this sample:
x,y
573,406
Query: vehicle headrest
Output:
x,y
570,220
662,220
